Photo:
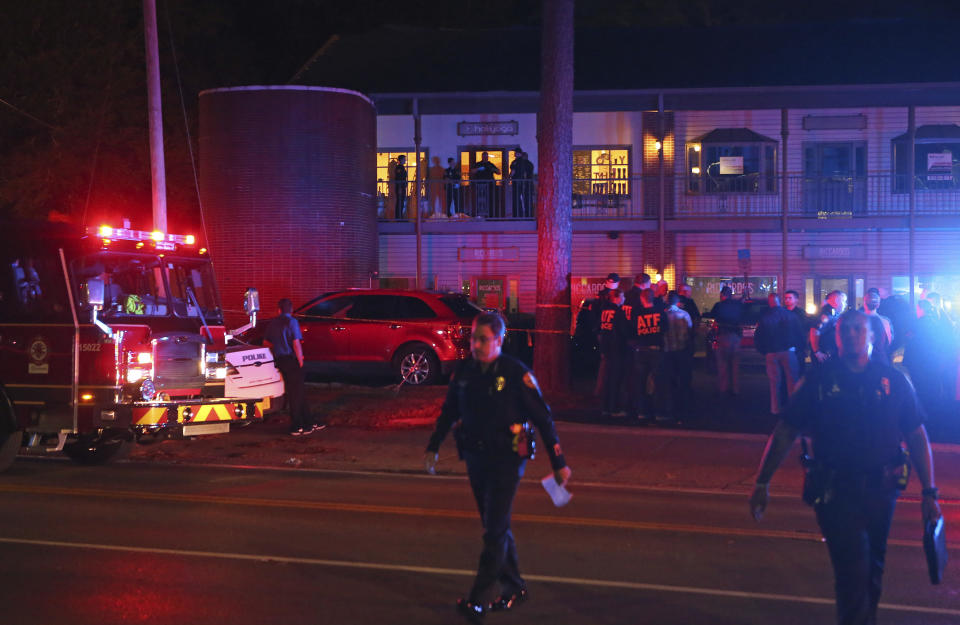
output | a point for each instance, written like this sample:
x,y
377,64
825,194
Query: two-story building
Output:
x,y
809,157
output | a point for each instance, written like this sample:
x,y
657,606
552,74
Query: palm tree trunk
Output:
x,y
554,226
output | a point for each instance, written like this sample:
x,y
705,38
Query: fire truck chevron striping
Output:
x,y
111,334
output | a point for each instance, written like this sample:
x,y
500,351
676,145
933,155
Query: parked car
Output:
x,y
752,310
417,335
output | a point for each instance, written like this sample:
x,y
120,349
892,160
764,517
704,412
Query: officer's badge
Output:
x,y
885,383
835,390
531,381
500,382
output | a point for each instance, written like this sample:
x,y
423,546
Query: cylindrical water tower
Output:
x,y
287,180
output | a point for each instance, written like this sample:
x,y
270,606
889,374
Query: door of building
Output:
x,y
835,178
486,197
817,289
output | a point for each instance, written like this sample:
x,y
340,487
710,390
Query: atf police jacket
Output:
x,y
485,404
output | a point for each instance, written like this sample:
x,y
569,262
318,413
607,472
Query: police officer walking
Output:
x,y
283,338
492,404
728,313
857,411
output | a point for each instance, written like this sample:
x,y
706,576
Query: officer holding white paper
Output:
x,y
493,404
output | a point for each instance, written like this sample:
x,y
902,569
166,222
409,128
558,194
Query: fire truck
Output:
x,y
110,336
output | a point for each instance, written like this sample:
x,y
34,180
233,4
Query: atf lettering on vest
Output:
x,y
606,319
648,324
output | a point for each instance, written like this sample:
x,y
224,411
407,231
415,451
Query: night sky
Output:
x,y
73,135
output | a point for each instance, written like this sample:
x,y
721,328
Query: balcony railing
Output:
x,y
683,197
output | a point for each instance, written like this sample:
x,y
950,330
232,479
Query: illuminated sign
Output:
x,y
466,129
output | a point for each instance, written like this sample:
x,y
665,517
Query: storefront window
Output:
x,y
705,291
732,160
387,162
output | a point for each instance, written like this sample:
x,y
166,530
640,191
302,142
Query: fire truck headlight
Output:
x,y
144,358
147,389
135,375
218,373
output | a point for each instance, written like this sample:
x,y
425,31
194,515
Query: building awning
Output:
x,y
733,135
933,131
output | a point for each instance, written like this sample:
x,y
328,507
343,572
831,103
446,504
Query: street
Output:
x,y
137,543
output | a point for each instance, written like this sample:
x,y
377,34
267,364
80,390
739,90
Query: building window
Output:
x,y
601,179
937,159
601,171
732,160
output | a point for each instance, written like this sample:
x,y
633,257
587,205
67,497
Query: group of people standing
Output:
x,y
645,337
785,334
446,192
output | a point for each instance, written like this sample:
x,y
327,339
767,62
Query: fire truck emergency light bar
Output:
x,y
163,241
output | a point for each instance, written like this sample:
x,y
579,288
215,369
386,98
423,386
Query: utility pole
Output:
x,y
551,355
158,173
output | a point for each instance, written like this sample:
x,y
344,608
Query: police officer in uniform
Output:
x,y
284,339
857,411
612,334
492,397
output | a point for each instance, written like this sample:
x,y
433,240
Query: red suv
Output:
x,y
417,335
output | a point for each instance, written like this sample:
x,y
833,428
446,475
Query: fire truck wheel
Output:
x,y
92,450
9,446
417,364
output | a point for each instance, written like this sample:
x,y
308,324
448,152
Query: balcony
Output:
x,y
684,198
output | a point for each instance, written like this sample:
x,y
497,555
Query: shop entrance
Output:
x,y
816,290
484,194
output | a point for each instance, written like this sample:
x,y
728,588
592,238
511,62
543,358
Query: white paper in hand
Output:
x,y
558,493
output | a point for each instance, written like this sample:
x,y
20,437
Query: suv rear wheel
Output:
x,y
417,364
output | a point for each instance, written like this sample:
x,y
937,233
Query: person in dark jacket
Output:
x,y
646,344
451,180
728,314
881,326
612,337
400,186
791,301
491,402
284,339
778,332
483,187
823,342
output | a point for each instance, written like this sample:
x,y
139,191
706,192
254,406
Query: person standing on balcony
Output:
x,y
521,179
451,177
728,314
400,185
483,186
776,337
435,176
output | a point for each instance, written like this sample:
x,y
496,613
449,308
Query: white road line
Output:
x,y
403,568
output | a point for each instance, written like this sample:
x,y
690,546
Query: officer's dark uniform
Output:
x,y
828,331
612,334
483,405
451,177
646,346
400,188
281,332
857,421
483,187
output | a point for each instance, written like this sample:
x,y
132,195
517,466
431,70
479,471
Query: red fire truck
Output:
x,y
113,335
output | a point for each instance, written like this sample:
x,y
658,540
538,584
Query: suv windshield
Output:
x,y
145,285
461,306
